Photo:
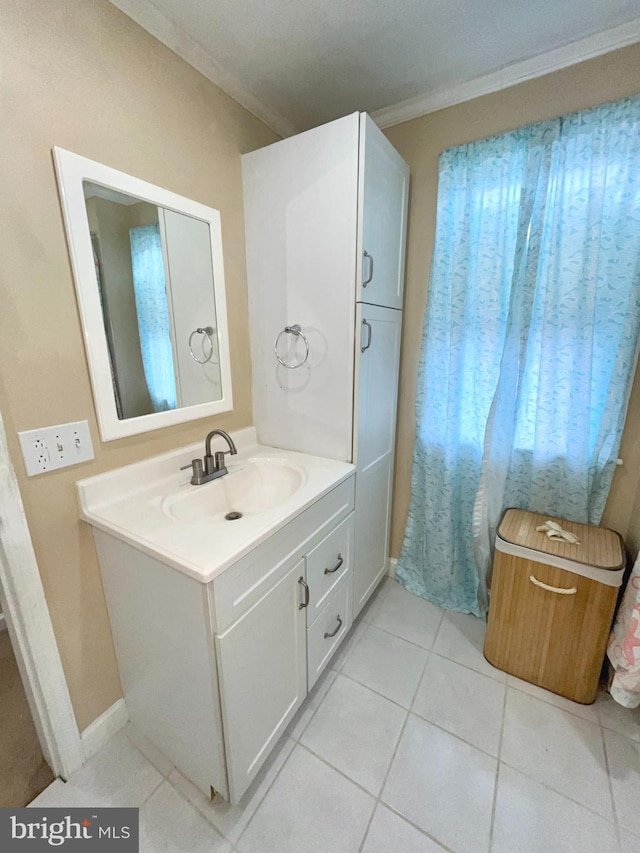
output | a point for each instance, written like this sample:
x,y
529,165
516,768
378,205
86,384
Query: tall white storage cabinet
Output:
x,y
325,218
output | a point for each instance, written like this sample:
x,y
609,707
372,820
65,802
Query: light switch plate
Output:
x,y
54,447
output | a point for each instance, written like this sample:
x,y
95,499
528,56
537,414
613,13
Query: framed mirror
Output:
x,y
149,278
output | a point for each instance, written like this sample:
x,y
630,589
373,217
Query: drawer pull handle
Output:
x,y
336,567
305,586
368,279
571,591
368,325
327,635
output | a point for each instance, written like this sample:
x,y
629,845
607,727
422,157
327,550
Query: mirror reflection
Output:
x,y
155,278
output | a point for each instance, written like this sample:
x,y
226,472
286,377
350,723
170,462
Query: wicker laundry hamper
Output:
x,y
552,603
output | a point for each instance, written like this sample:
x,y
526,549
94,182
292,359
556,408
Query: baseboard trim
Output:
x,y
393,562
96,734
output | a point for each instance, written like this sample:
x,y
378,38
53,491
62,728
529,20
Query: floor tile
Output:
x,y
117,775
531,818
629,843
388,832
463,702
311,704
387,664
168,823
408,616
231,820
625,721
587,712
558,749
310,807
623,755
159,760
461,638
443,785
356,731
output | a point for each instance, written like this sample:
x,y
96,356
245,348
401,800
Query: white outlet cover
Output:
x,y
59,446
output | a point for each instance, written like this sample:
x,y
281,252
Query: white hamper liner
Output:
x,y
609,577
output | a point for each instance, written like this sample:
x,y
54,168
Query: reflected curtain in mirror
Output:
x,y
152,308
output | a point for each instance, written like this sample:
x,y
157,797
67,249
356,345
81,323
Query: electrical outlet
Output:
x,y
55,447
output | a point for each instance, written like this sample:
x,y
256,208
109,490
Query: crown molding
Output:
x,y
511,75
155,22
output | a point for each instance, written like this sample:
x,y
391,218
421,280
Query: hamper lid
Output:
x,y
598,546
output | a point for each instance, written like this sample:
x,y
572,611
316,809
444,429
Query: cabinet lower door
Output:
x,y
377,360
262,667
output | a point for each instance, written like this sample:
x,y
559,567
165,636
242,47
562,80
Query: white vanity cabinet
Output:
x,y
325,220
214,670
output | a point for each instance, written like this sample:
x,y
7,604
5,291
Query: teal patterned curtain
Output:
x,y
152,307
530,340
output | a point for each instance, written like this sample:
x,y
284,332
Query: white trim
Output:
x,y
3,622
150,18
393,563
72,170
604,576
511,75
34,643
101,731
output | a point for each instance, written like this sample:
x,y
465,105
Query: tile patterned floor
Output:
x,y
410,743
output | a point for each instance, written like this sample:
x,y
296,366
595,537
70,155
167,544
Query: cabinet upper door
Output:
x,y
383,195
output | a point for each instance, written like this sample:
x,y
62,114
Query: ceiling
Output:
x,y
296,64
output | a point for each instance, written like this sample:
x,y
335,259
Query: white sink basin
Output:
x,y
152,505
260,484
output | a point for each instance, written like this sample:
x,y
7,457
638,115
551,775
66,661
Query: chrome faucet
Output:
x,y
212,466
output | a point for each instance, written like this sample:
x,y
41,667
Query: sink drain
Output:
x,y
233,516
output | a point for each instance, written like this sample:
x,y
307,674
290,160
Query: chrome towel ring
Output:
x,y
297,331
207,332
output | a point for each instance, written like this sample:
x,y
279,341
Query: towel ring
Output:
x,y
297,331
207,331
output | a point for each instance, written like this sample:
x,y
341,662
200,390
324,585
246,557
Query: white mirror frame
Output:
x,y
72,170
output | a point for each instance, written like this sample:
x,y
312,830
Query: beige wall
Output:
x,y
83,76
606,78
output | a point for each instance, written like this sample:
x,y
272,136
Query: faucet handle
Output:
x,y
219,459
196,468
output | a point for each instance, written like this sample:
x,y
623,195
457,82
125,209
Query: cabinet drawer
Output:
x,y
327,565
242,585
329,629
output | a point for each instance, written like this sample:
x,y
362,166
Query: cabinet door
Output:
x,y
383,199
263,678
377,360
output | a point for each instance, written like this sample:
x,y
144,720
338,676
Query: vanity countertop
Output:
x,y
153,506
